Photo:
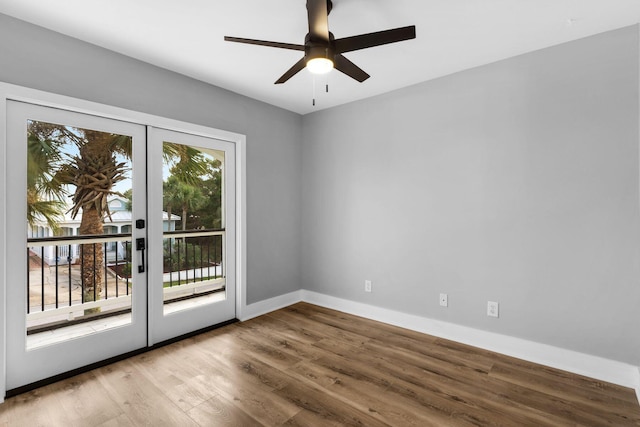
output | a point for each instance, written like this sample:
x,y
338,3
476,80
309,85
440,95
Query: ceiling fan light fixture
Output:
x,y
319,65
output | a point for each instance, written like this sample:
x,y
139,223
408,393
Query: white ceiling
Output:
x,y
452,35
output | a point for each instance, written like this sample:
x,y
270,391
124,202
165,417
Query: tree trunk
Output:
x,y
184,239
184,219
97,172
92,257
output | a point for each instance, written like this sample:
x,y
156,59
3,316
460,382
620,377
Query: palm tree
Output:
x,y
211,212
94,171
183,196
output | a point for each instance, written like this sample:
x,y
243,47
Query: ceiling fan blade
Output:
x,y
265,43
349,68
298,66
363,41
318,13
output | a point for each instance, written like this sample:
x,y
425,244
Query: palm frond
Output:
x,y
187,163
122,144
49,211
43,160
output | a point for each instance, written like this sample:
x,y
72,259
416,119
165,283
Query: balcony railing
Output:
x,y
193,263
58,292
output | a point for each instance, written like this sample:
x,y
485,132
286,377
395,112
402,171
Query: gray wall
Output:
x,y
34,57
514,182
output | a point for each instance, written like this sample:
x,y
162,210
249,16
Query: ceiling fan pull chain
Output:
x,y
314,91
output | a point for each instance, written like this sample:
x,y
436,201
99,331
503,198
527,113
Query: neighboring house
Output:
x,y
119,222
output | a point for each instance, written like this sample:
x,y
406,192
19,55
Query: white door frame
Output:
x,y
20,93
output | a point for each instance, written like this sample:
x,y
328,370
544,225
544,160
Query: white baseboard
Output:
x,y
579,363
272,304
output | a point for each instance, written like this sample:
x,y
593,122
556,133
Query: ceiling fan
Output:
x,y
323,52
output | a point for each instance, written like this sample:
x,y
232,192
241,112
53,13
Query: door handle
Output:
x,y
141,246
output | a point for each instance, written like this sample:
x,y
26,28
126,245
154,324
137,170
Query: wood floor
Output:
x,y
309,366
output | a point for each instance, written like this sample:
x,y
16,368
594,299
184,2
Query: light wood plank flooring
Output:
x,y
309,366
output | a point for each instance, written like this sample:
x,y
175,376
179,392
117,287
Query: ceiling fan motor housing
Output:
x,y
318,49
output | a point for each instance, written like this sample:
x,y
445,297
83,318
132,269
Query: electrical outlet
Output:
x,y
367,285
493,309
444,300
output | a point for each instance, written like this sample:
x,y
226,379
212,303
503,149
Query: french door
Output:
x,y
191,233
121,237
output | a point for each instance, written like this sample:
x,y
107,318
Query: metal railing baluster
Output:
x,y
186,261
209,257
178,247
81,272
194,262
95,273
128,259
42,277
28,280
215,258
221,257
57,256
106,274
117,275
170,264
70,283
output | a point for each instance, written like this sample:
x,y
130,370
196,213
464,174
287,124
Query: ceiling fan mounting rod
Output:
x,y
329,6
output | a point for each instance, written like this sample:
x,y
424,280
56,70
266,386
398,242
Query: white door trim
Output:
x,y
24,94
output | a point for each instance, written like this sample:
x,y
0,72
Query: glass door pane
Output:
x,y
193,233
79,198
